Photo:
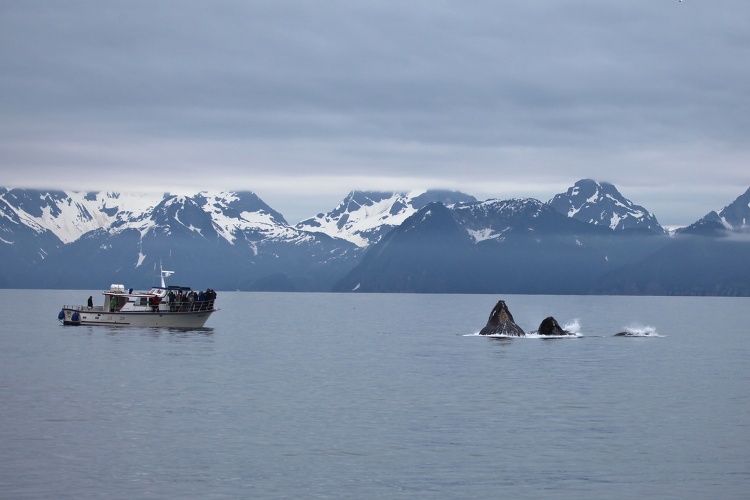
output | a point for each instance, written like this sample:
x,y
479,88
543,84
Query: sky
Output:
x,y
303,101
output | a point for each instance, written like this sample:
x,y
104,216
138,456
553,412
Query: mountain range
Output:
x,y
589,239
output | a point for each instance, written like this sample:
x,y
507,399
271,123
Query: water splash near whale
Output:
x,y
573,326
636,330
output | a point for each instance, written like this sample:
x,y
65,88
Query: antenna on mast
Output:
x,y
164,274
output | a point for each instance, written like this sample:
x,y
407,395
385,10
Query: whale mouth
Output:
x,y
501,322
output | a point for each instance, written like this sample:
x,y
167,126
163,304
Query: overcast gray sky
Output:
x,y
303,101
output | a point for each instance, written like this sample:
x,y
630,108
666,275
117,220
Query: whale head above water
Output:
x,y
501,322
550,326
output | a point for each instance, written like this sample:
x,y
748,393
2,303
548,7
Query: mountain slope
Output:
x,y
87,240
364,217
733,218
688,265
434,241
69,215
495,246
737,214
22,248
602,204
429,252
709,257
499,219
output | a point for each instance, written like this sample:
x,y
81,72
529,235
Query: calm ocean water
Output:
x,y
378,396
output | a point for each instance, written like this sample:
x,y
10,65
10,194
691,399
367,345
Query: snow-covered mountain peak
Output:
x,y
70,214
363,217
360,217
734,217
601,204
228,215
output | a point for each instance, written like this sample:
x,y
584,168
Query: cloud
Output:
x,y
528,96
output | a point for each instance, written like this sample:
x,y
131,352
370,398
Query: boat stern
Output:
x,y
69,317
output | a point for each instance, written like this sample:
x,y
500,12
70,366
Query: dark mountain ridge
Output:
x,y
406,259
589,239
496,246
709,257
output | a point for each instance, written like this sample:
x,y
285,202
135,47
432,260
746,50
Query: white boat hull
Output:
x,y
187,319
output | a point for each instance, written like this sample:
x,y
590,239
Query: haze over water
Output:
x,y
378,396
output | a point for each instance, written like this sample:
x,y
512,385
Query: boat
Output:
x,y
161,306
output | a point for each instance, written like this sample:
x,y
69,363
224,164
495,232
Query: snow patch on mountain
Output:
x,y
484,234
364,216
495,219
69,214
244,214
736,215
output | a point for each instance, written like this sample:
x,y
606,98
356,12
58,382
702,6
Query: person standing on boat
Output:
x,y
154,303
91,301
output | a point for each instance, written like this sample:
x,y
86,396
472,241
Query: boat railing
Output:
x,y
190,305
81,308
181,306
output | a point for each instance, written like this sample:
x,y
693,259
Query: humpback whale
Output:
x,y
501,322
550,326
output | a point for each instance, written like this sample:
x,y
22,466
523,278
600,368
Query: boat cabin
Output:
x,y
159,299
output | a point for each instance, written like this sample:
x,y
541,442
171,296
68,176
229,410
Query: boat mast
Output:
x,y
164,274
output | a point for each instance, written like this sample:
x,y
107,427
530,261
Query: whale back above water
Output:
x,y
501,322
